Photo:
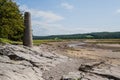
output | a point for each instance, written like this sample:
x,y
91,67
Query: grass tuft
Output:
x,y
5,41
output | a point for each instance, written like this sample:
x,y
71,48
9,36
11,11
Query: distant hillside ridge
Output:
x,y
93,35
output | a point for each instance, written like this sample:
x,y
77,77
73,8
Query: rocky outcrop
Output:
x,y
101,69
94,71
45,62
23,63
72,76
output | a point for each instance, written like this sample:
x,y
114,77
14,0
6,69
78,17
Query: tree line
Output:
x,y
95,35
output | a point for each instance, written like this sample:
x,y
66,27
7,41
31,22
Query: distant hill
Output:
x,y
94,35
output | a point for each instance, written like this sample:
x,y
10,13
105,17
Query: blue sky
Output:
x,y
53,17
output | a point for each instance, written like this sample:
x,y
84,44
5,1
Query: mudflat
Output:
x,y
91,61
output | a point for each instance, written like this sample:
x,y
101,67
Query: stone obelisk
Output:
x,y
27,40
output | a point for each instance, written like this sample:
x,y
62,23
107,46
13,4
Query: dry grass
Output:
x,y
107,41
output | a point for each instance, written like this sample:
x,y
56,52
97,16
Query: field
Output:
x,y
92,41
38,42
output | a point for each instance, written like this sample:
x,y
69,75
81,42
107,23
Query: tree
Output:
x,y
11,20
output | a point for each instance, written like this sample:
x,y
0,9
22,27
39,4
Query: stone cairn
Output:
x,y
27,40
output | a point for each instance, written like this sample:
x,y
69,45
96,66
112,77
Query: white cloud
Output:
x,y
44,16
56,29
67,6
43,22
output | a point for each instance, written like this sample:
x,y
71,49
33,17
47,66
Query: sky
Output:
x,y
56,17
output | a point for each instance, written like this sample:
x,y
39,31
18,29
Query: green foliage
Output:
x,y
38,42
4,41
11,21
97,35
7,41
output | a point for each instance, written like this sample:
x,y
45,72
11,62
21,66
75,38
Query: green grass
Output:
x,y
7,41
35,42
93,41
38,42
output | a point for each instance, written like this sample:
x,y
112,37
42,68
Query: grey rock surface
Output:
x,y
100,71
23,63
72,76
94,71
45,62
